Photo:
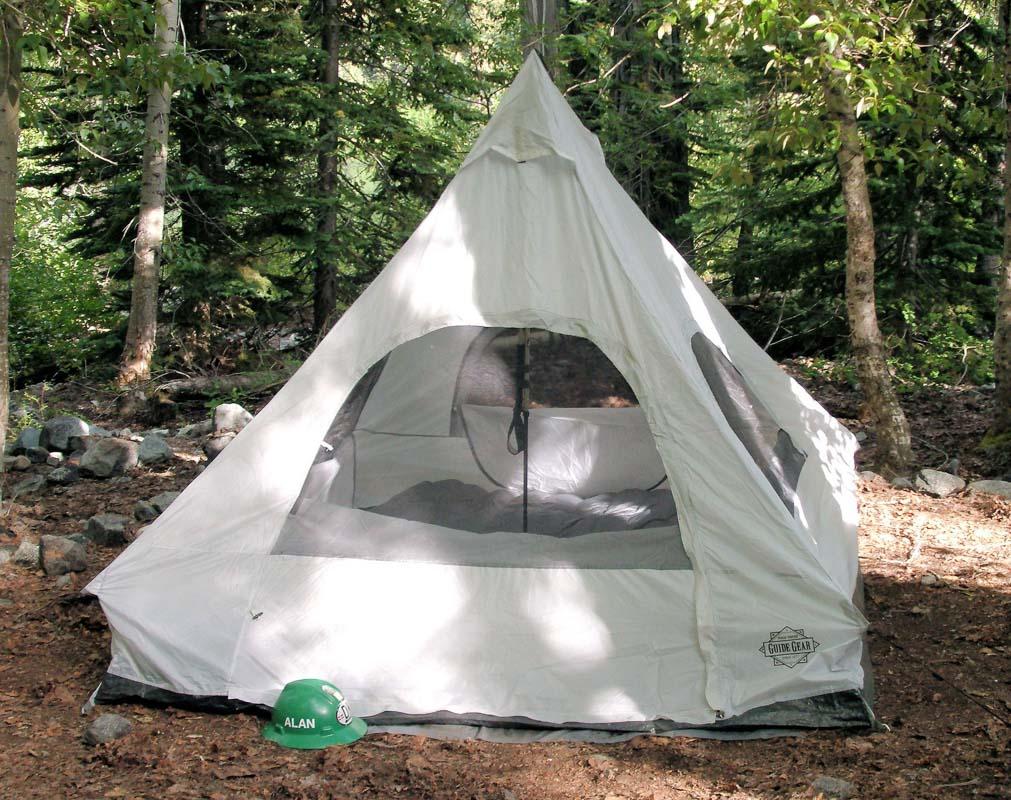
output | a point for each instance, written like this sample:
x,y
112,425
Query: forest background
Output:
x,y
299,144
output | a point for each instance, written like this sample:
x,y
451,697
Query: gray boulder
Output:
x,y
1001,488
143,511
197,429
217,443
17,463
64,476
937,483
829,788
107,530
110,457
163,500
37,455
60,555
29,437
33,484
154,450
27,554
231,417
107,728
57,432
93,435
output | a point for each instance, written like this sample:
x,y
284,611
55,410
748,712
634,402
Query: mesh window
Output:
x,y
430,445
767,443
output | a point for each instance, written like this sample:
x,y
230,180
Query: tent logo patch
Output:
x,y
788,647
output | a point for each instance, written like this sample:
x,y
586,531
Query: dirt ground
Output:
x,y
938,579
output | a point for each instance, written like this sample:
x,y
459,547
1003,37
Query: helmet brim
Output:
x,y
342,734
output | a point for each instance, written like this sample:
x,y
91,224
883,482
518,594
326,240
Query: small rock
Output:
x,y
860,436
154,450
55,459
80,538
37,455
1001,488
84,442
27,554
601,761
29,437
902,483
869,476
163,500
33,484
230,417
951,466
929,579
217,443
197,429
19,463
832,788
64,476
107,728
508,794
110,457
59,555
120,479
163,433
937,483
63,581
107,530
143,511
6,553
57,432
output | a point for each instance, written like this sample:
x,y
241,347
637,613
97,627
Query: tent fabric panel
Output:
x,y
555,645
585,451
170,635
414,394
387,464
767,443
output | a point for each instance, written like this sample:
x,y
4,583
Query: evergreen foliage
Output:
x,y
715,142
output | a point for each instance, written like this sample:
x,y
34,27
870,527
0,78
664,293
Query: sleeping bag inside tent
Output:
x,y
536,478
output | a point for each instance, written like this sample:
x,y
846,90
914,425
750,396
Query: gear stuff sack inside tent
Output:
x,y
535,483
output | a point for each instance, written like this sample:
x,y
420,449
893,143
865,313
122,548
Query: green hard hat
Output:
x,y
311,714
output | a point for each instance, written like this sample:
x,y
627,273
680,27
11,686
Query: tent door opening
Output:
x,y
490,447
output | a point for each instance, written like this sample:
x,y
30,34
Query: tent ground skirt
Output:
x,y
849,710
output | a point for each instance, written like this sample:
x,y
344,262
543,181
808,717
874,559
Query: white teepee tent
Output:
x,y
687,561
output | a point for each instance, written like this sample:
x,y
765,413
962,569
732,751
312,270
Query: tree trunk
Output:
x,y
1002,330
10,131
324,296
135,364
895,454
540,31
